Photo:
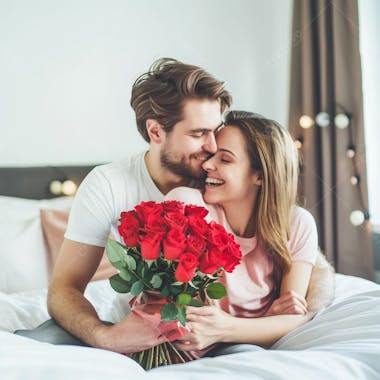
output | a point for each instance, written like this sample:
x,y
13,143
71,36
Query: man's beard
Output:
x,y
181,168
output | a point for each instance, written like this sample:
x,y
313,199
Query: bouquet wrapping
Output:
x,y
172,257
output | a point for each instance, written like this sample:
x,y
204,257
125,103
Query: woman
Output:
x,y
251,189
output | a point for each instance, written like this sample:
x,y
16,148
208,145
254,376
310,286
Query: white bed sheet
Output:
x,y
341,342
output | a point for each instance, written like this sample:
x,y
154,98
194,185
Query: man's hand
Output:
x,y
132,334
289,303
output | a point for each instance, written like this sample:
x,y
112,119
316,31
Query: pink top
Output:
x,y
250,287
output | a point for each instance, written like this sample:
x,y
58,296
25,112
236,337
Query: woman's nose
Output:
x,y
209,165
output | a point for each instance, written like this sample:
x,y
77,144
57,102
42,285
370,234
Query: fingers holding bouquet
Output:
x,y
207,324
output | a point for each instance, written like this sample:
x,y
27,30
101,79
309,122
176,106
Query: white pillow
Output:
x,y
23,252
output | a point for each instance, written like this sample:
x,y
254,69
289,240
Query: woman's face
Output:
x,y
229,174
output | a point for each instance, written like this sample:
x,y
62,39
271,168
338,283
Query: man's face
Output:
x,y
192,140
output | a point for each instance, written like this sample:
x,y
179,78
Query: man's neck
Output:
x,y
164,179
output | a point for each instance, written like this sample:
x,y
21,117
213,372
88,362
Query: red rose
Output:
x,y
150,244
129,228
174,244
173,206
217,235
195,210
187,265
211,261
232,255
197,225
176,220
155,222
145,209
196,244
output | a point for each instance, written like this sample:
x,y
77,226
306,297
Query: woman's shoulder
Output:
x,y
301,216
186,194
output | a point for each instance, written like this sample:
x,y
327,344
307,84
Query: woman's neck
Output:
x,y
240,217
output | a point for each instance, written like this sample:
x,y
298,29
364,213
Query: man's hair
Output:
x,y
160,93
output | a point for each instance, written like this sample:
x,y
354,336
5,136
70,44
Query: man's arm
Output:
x,y
320,292
322,285
75,266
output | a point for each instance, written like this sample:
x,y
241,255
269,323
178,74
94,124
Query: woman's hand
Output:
x,y
208,325
289,303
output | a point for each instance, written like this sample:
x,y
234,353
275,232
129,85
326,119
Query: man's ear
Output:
x,y
155,131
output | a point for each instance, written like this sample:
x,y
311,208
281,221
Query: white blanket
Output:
x,y
341,342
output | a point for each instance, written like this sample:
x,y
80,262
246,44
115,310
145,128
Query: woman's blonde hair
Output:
x,y
273,155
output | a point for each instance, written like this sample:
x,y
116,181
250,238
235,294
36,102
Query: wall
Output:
x,y
66,68
369,13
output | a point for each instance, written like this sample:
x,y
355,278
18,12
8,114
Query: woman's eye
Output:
x,y
224,160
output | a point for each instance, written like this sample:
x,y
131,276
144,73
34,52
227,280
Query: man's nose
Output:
x,y
210,144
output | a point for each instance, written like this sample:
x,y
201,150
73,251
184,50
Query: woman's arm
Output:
x,y
210,325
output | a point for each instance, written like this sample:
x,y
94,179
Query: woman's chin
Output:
x,y
210,197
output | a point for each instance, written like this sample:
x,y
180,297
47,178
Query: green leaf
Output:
x,y
165,292
183,299
216,290
131,263
116,253
119,285
169,312
175,290
182,315
196,303
125,274
137,288
156,281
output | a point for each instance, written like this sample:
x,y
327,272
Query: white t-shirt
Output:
x,y
105,192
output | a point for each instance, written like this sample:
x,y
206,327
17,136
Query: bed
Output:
x,y
341,342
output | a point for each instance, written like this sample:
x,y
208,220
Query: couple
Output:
x,y
246,169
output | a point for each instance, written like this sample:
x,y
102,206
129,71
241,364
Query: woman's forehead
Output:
x,y
230,137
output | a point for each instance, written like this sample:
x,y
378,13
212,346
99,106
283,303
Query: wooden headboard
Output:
x,y
34,182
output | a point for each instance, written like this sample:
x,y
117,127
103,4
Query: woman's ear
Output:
x,y
258,179
155,131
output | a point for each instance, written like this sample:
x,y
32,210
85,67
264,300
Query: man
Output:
x,y
178,110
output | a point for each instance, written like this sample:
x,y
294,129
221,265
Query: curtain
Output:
x,y
326,77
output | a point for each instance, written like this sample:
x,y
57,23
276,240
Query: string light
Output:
x,y
351,151
355,179
69,188
298,142
306,121
63,188
55,187
357,217
323,119
341,120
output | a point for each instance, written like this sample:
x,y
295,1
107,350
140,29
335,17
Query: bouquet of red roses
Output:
x,y
172,257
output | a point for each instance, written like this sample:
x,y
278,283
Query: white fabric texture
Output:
x,y
23,253
105,192
341,342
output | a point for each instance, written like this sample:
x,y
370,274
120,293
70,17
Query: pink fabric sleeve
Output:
x,y
186,195
303,243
